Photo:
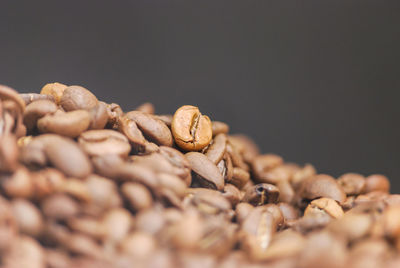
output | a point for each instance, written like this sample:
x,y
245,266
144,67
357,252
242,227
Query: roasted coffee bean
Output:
x,y
232,193
8,224
377,182
98,116
206,172
77,98
207,201
138,196
248,148
104,141
70,124
152,128
8,153
264,163
66,155
192,131
324,205
31,97
216,150
322,186
239,177
7,93
146,107
286,191
59,207
56,90
288,211
261,194
37,110
166,118
352,184
28,217
219,127
237,159
19,184
129,128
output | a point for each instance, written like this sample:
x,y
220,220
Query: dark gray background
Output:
x,y
314,81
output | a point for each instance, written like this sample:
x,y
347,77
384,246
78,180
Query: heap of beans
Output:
x,y
84,184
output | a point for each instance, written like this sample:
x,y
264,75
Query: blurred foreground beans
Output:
x,y
85,184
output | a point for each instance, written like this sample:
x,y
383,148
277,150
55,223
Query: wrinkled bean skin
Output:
x,y
83,184
192,131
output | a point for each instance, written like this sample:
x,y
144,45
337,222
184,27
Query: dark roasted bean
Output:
x,y
261,194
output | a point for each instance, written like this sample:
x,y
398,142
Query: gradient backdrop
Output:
x,y
314,81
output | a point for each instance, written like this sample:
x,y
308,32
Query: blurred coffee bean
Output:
x,y
70,124
261,194
138,196
28,217
77,98
37,110
146,107
59,207
8,153
56,90
324,205
31,97
322,186
192,131
219,127
352,183
232,193
377,182
104,141
98,116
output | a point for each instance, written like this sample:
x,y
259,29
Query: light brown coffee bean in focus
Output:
x,y
55,90
152,128
192,131
70,124
208,173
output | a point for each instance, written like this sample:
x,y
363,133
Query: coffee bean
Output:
x,y
56,90
322,186
146,107
77,98
192,131
32,97
166,118
138,196
324,205
219,127
352,184
8,153
59,207
152,128
104,141
70,124
377,183
249,149
261,194
8,224
7,93
37,110
28,217
239,177
66,155
232,193
206,172
216,150
98,116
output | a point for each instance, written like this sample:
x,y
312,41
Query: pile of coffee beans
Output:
x,y
85,184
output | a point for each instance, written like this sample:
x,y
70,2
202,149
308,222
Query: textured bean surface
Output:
x,y
85,184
